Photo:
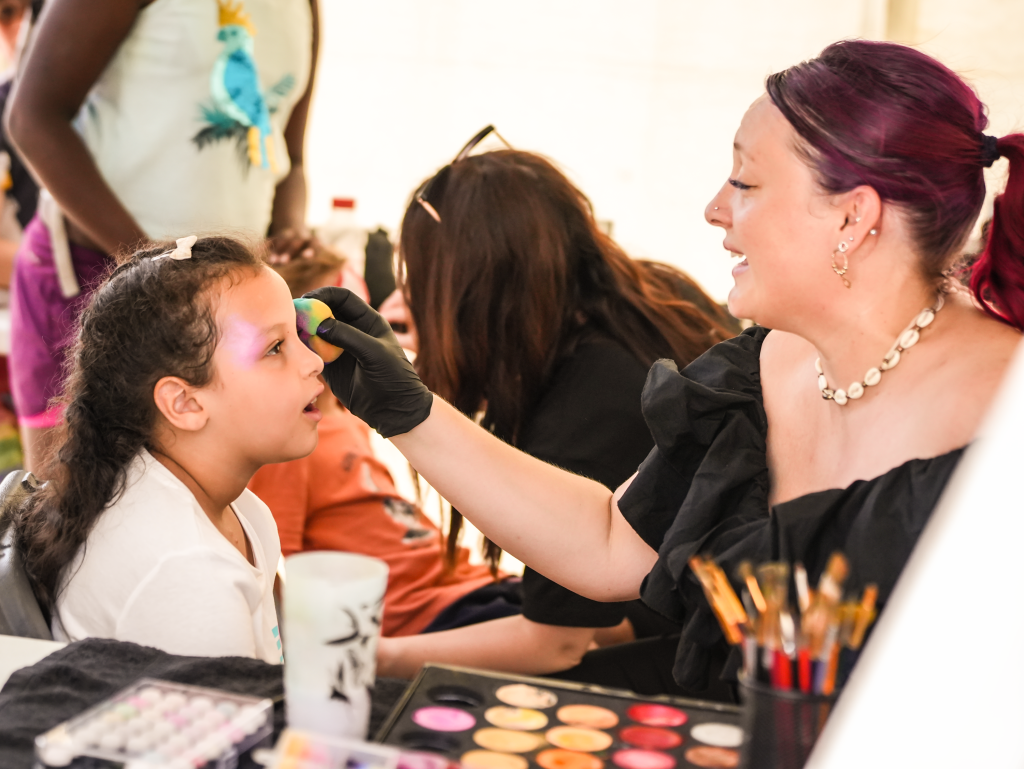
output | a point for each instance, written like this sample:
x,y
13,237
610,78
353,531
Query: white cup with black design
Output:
x,y
332,615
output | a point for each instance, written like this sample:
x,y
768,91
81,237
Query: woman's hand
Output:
x,y
373,378
291,244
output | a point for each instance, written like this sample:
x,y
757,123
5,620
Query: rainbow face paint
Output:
x,y
243,341
309,314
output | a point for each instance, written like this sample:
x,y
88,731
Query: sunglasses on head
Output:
x,y
435,186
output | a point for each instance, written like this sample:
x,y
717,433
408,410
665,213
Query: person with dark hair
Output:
x,y
530,316
833,424
145,530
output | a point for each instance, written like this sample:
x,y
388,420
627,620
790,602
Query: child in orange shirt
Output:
x,y
341,497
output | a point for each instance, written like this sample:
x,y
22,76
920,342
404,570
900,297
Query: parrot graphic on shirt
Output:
x,y
241,109
235,87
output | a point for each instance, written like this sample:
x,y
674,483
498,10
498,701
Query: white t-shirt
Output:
x,y
156,571
186,121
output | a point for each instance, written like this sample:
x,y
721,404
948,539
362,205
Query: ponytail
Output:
x,y
997,278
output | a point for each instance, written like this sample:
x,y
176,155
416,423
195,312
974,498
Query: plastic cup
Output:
x,y
332,612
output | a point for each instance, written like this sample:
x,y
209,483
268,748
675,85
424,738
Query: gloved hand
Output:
x,y
372,378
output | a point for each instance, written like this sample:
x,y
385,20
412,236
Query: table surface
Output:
x,y
16,653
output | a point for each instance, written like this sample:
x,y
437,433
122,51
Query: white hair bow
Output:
x,y
182,251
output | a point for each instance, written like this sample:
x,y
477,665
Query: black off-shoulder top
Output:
x,y
703,489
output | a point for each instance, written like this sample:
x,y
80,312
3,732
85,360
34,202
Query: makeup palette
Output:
x,y
486,720
159,725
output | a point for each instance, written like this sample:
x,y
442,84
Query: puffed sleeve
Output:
x,y
704,487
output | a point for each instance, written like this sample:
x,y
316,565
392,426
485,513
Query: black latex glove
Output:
x,y
372,378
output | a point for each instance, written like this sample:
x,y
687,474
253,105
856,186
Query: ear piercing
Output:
x,y
872,231
841,271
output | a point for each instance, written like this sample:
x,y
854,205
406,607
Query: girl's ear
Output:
x,y
178,402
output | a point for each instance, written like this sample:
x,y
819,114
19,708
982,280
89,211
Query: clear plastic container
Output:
x,y
159,725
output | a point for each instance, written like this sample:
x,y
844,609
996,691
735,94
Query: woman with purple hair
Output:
x,y
835,423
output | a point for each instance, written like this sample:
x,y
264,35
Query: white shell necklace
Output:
x,y
907,339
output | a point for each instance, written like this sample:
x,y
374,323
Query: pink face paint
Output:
x,y
243,341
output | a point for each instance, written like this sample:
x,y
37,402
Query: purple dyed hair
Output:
x,y
890,117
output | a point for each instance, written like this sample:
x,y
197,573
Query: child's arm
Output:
x,y
510,644
75,41
288,216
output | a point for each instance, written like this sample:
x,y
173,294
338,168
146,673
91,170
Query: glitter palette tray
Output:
x,y
159,725
488,720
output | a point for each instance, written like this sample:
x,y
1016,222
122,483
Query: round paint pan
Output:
x,y
521,719
652,714
651,737
455,695
507,741
557,758
590,716
713,758
526,696
578,738
442,719
637,758
488,759
429,741
719,735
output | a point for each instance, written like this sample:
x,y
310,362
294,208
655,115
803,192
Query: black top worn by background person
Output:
x,y
704,489
588,421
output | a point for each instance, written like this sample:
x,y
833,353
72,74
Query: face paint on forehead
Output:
x,y
243,341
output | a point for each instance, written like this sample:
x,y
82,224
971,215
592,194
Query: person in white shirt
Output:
x,y
188,375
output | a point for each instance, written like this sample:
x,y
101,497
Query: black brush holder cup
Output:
x,y
781,727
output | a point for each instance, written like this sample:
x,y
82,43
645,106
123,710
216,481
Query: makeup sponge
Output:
x,y
309,314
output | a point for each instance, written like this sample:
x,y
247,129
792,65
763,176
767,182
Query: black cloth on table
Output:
x,y
588,421
85,673
704,490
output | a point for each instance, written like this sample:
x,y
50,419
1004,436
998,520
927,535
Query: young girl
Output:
x,y
186,377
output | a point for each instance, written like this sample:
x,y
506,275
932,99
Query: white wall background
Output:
x,y
638,101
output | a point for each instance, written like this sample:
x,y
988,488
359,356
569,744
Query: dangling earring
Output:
x,y
841,271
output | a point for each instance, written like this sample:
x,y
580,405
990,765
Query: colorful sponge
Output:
x,y
309,314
